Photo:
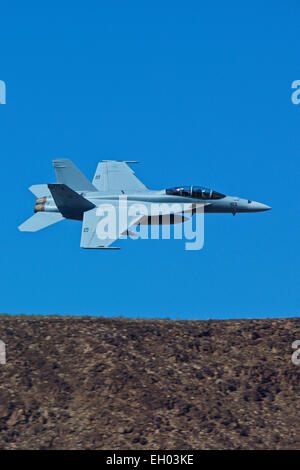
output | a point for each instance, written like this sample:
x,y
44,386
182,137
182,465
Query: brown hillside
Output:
x,y
100,383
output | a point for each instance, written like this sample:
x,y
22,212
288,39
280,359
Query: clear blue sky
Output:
x,y
199,94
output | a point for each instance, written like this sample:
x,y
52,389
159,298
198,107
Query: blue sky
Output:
x,y
199,94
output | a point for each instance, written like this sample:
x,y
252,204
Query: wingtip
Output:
x,y
122,161
101,248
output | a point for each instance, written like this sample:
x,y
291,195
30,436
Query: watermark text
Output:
x,y
2,352
296,94
2,92
296,354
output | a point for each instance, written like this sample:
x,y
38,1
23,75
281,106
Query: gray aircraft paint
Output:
x,y
75,197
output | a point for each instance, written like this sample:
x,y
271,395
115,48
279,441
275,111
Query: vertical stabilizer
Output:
x,y
67,173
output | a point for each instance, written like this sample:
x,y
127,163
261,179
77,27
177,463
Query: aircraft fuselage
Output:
x,y
227,204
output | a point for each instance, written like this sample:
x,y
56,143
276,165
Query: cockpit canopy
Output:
x,y
198,192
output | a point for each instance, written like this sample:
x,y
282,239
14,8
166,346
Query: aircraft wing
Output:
x,y
104,224
116,176
91,236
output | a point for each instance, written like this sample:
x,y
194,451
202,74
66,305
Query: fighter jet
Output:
x,y
115,184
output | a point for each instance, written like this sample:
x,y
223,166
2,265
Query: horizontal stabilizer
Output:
x,y
68,173
39,221
40,190
69,203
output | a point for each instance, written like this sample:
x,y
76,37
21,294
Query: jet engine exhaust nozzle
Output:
x,y
40,204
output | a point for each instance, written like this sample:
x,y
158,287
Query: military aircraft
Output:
x,y
114,185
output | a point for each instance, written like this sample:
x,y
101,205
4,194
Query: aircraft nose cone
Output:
x,y
259,207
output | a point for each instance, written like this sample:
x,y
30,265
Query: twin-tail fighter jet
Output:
x,y
115,186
